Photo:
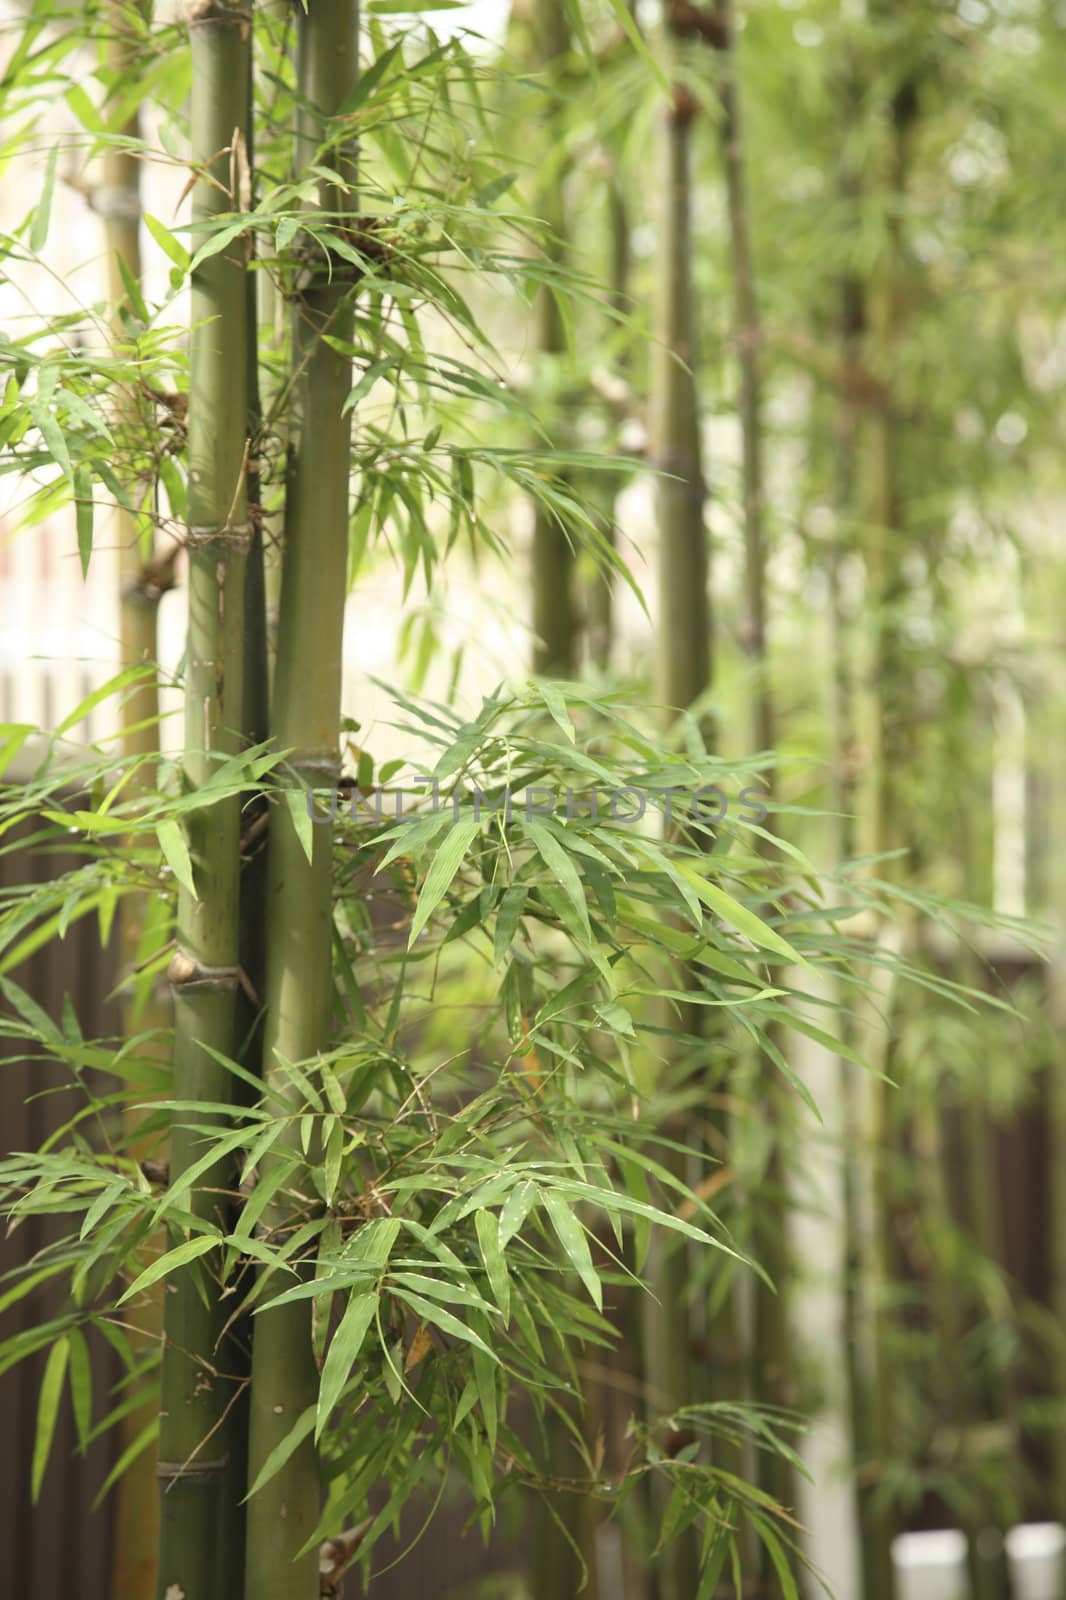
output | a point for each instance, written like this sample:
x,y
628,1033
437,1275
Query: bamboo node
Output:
x,y
320,765
215,13
185,972
170,1471
231,535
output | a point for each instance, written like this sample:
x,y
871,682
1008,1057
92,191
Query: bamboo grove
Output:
x,y
508,1055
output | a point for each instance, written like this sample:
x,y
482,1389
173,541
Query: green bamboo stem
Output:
x,y
684,672
141,585
888,739
604,487
684,632
875,1549
306,723
200,1523
553,579
772,1346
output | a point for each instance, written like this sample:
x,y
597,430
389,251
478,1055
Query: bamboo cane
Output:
x,y
199,1522
141,585
772,1346
684,668
306,723
554,616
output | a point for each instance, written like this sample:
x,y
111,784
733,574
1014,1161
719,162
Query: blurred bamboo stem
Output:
x,y
554,615
684,674
772,1382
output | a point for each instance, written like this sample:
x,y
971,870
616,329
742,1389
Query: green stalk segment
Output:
x,y
684,674
200,1519
307,691
554,611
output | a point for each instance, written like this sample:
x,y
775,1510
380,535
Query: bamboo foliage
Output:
x,y
478,1070
306,724
200,1529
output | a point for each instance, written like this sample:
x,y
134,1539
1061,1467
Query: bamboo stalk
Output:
x,y
199,1521
604,487
306,722
683,675
141,585
772,1346
888,740
554,615
875,1551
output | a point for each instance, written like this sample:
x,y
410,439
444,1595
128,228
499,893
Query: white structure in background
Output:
x,y
1037,1556
931,1566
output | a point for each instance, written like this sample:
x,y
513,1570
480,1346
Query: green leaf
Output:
x,y
488,1238
167,242
516,1208
147,1436
574,1242
442,870
298,802
83,512
180,1256
738,916
508,917
562,868
43,214
176,854
81,1386
283,1450
430,1312
47,1411
218,241
772,1545
343,1349
556,705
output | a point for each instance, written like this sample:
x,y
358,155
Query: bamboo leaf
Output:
x,y
488,1236
81,1386
47,1411
562,867
167,242
180,1256
282,1451
343,1349
83,513
146,1437
574,1241
42,216
445,865
738,916
299,802
429,1311
176,854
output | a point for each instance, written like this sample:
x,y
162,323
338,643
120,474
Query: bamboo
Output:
x,y
603,486
888,739
554,614
684,671
306,723
772,1382
875,1551
199,1515
141,585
